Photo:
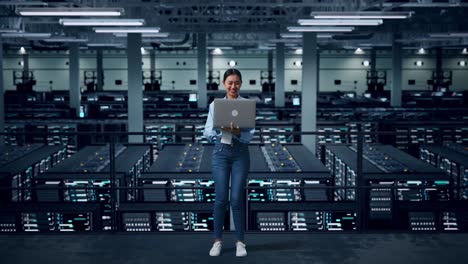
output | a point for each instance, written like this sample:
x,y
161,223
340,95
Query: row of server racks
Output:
x,y
133,188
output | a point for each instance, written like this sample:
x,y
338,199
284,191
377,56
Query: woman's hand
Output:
x,y
234,130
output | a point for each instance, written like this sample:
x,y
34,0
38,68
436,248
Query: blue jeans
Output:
x,y
230,162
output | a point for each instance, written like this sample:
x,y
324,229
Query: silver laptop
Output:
x,y
240,112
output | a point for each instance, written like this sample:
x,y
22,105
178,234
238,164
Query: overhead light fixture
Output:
x,y
365,63
298,51
299,35
64,39
285,40
232,63
101,22
320,29
71,11
22,50
28,3
459,34
419,63
362,14
340,22
264,47
421,51
449,35
297,63
291,35
217,51
9,30
109,45
145,35
375,44
359,51
26,35
462,63
464,51
220,47
126,30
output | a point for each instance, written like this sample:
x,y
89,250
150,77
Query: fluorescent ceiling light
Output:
x,y
126,30
320,29
362,14
375,44
29,3
77,11
101,22
340,22
285,40
64,39
449,35
299,35
145,35
459,34
161,40
111,45
26,35
220,47
291,35
9,30
409,40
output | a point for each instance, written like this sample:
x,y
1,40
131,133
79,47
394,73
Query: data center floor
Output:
x,y
262,248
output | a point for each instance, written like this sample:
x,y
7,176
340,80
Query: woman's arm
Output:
x,y
210,133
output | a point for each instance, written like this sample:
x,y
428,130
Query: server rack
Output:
x,y
187,205
19,174
11,153
453,159
85,178
306,208
186,168
397,186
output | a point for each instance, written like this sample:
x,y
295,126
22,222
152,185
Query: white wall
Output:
x,y
181,67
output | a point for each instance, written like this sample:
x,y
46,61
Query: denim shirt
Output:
x,y
215,134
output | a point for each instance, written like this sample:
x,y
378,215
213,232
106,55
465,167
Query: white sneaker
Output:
x,y
216,249
240,250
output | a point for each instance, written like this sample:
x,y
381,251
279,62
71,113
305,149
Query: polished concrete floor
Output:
x,y
288,248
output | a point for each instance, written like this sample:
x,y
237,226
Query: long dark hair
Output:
x,y
232,72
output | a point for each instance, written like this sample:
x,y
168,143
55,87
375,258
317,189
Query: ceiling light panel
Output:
x,y
362,14
126,30
48,11
340,22
101,22
26,35
145,35
320,29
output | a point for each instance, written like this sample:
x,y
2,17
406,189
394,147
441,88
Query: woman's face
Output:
x,y
232,85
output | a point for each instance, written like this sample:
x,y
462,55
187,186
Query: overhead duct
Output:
x,y
183,44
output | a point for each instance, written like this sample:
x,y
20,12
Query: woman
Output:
x,y
230,161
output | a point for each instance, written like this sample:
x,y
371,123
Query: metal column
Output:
x,y
74,71
396,73
135,85
280,84
309,89
2,98
201,70
99,70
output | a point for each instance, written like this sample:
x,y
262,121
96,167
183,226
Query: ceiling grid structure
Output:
x,y
245,24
